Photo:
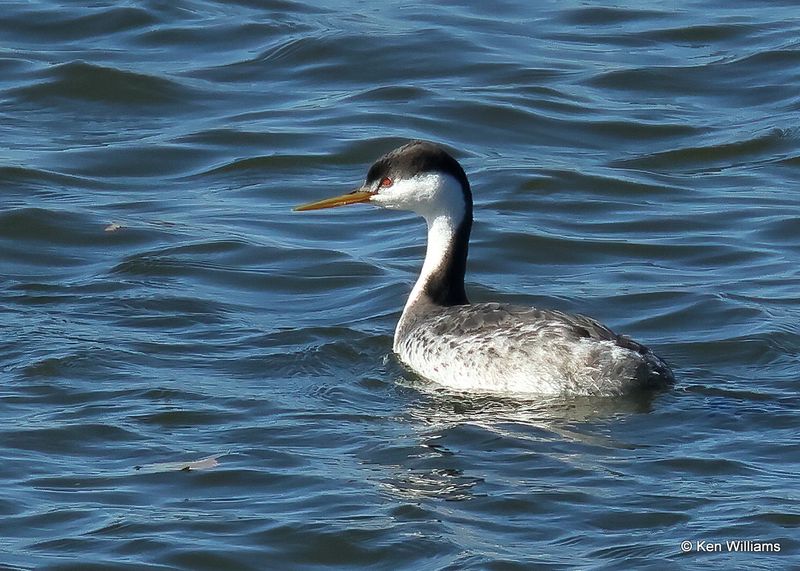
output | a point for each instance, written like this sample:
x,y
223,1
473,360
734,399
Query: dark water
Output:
x,y
161,304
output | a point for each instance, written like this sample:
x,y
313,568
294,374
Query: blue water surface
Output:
x,y
194,377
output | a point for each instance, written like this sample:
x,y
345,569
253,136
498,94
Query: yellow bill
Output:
x,y
350,198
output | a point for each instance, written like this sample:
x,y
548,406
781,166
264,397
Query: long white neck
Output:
x,y
447,209
441,238
441,280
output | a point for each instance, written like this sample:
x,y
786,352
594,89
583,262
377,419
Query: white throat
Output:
x,y
441,234
439,199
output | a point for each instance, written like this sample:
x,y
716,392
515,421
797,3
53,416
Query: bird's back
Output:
x,y
504,348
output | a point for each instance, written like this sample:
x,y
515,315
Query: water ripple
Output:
x,y
84,81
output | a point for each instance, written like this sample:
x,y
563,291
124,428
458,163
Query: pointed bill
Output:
x,y
350,198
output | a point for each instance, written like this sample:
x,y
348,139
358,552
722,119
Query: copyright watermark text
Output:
x,y
731,546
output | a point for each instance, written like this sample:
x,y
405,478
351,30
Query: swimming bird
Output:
x,y
487,347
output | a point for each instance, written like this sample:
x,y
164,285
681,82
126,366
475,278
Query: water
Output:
x,y
160,304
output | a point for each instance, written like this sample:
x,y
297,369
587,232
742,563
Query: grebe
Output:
x,y
487,347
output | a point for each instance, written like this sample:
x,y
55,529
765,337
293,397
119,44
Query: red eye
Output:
x,y
386,182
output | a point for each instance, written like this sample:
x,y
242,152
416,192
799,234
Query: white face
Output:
x,y
430,195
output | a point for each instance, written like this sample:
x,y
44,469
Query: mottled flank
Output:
x,y
505,348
